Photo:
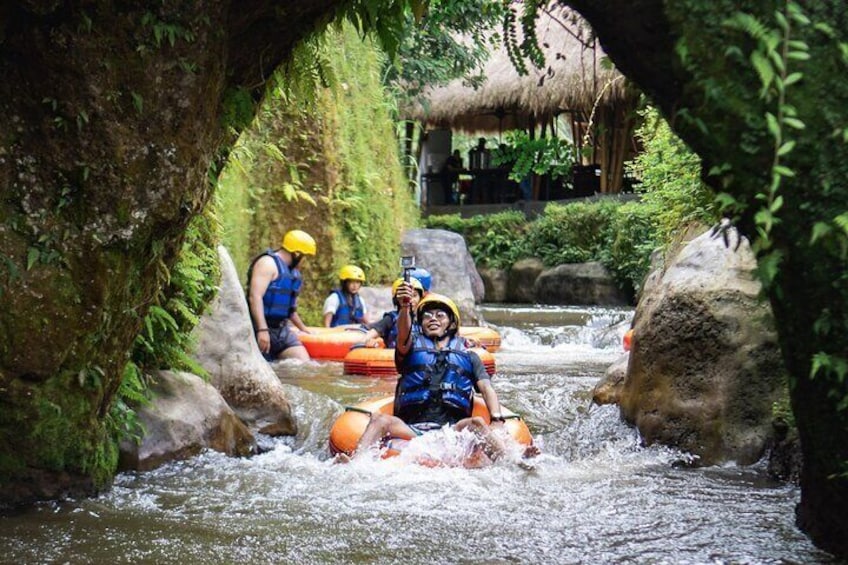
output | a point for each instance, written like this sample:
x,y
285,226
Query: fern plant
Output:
x,y
777,60
165,339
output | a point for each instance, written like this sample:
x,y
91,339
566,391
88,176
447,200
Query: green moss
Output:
x,y
58,423
238,108
782,410
325,160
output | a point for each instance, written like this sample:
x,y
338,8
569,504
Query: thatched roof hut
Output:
x,y
577,80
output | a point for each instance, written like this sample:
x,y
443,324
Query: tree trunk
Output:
x,y
712,100
112,114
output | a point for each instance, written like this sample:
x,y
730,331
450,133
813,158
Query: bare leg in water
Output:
x,y
386,425
493,443
379,426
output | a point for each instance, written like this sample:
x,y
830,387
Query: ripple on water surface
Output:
x,y
595,496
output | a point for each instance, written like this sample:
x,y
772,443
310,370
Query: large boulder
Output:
x,y
446,256
579,283
185,416
378,299
521,280
705,366
227,349
495,282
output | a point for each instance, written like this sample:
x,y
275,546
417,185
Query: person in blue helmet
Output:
x,y
273,284
423,276
344,305
386,327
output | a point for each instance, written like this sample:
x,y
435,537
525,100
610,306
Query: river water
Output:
x,y
594,496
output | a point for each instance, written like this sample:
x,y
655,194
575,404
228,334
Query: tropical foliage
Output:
x,y
495,240
669,176
524,155
166,336
321,156
450,40
620,235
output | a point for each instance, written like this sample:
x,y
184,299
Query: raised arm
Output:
x,y
404,321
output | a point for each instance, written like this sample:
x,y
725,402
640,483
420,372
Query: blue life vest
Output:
x,y
390,339
431,375
280,297
344,314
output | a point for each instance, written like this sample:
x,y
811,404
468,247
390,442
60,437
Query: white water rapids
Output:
x,y
595,495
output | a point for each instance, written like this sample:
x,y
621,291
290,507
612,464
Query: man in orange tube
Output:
x,y
438,379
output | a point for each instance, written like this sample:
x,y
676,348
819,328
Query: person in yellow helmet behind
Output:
x,y
344,306
273,283
386,327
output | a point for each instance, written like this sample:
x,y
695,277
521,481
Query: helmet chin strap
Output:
x,y
296,257
448,333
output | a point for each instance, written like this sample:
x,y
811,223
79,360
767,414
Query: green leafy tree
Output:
x,y
541,156
451,39
757,90
670,178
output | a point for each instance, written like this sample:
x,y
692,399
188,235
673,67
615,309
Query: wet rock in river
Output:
x,y
185,416
705,368
227,349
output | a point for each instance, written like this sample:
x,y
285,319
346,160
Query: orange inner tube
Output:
x,y
331,344
334,344
485,337
628,340
349,426
373,362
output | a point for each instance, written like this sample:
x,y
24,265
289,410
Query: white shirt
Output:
x,y
331,304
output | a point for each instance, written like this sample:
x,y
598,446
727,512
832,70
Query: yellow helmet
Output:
x,y
416,284
297,241
351,273
433,299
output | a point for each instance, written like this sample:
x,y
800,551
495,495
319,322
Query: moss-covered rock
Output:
x,y
111,119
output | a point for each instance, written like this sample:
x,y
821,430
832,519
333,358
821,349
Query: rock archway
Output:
x,y
113,116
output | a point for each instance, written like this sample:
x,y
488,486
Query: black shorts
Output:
x,y
281,339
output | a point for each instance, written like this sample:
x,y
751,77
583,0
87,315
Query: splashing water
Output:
x,y
594,495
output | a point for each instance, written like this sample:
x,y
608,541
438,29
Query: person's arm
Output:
x,y
298,323
365,318
264,271
376,330
492,402
370,339
331,305
484,385
404,321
